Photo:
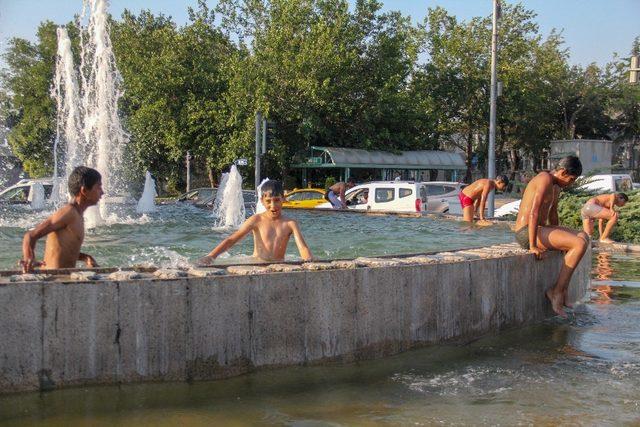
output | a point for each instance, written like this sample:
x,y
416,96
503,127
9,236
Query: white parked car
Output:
x,y
386,196
443,196
609,182
21,192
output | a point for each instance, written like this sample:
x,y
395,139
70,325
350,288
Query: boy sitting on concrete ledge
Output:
x,y
271,230
537,226
602,208
65,228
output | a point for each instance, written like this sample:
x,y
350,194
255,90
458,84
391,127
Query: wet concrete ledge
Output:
x,y
62,332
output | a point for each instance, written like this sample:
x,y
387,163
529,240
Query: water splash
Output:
x,y
259,206
88,130
69,150
36,197
147,203
228,208
101,84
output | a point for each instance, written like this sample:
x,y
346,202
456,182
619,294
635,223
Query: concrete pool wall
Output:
x,y
64,333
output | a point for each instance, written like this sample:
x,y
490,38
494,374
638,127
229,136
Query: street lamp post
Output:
x,y
492,109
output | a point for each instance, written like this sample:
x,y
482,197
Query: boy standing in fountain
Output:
x,y
271,231
537,227
602,208
65,228
473,197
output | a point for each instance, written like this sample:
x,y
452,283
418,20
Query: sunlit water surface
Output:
x,y
584,371
179,234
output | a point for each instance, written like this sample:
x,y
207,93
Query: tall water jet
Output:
x,y
147,203
228,207
69,150
101,81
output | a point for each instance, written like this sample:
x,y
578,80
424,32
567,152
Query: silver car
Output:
x,y
443,196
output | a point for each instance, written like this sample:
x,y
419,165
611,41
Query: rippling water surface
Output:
x,y
177,234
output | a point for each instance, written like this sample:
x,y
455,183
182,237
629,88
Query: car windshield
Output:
x,y
18,194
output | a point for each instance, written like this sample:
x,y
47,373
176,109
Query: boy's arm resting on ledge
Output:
x,y
234,238
534,213
55,222
305,252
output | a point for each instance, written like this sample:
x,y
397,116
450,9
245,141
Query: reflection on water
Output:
x,y
585,371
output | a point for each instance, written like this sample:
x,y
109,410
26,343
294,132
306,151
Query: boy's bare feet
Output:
x,y
556,302
483,223
606,241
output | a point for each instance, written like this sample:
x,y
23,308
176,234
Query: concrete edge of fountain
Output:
x,y
203,328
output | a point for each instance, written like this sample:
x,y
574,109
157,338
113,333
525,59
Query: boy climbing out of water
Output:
x,y
271,231
65,228
538,230
473,197
602,208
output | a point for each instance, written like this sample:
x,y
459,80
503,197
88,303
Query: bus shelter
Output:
x,y
365,165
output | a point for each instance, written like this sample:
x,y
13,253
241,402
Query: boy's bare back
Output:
x,y
476,188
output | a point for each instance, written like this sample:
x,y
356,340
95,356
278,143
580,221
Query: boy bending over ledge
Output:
x,y
537,227
602,208
65,228
473,198
271,231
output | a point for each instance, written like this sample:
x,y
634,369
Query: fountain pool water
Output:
x,y
176,233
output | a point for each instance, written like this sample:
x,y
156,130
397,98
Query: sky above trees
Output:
x,y
593,29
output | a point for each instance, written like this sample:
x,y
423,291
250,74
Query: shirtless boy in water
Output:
x,y
537,226
65,228
271,231
473,197
602,208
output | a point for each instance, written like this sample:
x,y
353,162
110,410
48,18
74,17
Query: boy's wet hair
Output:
x,y
622,196
272,188
351,180
571,165
503,178
83,176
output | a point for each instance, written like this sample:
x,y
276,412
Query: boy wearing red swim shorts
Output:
x,y
473,197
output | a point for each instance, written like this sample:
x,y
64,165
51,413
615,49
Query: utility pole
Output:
x,y
492,109
188,160
258,148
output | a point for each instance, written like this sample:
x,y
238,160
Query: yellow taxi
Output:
x,y
307,198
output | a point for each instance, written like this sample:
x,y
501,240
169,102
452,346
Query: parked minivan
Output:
x,y
386,196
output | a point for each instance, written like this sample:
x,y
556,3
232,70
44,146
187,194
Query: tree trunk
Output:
x,y
212,177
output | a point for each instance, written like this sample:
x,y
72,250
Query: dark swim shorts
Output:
x,y
522,237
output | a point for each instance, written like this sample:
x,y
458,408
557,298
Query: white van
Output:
x,y
386,196
608,182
